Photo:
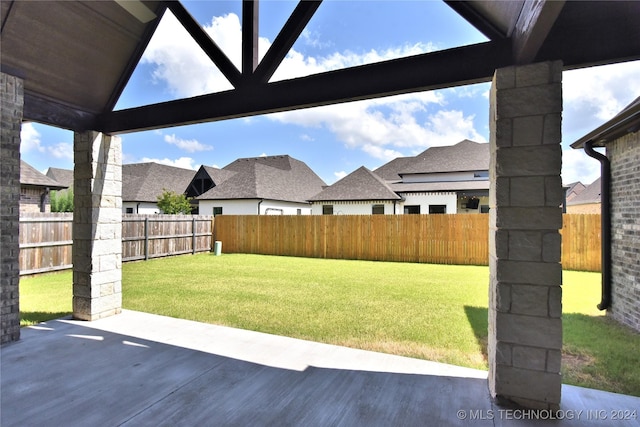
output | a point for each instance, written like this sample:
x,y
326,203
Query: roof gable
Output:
x,y
144,182
31,176
273,177
590,194
464,156
361,184
63,176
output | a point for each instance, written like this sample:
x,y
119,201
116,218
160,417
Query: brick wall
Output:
x,y
11,102
31,200
624,154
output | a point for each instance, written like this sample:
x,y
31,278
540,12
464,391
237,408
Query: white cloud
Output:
x,y
577,166
340,175
30,139
182,162
188,145
263,155
594,95
61,150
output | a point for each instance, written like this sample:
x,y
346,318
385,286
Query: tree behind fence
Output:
x,y
46,239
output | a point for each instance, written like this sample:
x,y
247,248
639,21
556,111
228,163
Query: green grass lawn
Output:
x,y
435,312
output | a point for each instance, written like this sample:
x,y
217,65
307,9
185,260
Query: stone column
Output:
x,y
11,103
525,296
97,226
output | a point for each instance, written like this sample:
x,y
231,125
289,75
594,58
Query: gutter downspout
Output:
x,y
605,224
259,203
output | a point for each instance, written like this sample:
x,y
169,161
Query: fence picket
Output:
x,y
46,239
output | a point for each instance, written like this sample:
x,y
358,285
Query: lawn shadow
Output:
x,y
478,320
34,317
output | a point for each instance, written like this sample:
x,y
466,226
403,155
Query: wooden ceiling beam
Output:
x,y
532,28
210,48
250,15
436,70
283,42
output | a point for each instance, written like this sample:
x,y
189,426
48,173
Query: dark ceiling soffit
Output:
x,y
210,48
135,58
44,110
290,32
437,70
250,16
482,24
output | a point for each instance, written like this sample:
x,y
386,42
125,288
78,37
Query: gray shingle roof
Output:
x,y
31,176
464,156
144,182
63,176
390,171
273,177
361,184
591,194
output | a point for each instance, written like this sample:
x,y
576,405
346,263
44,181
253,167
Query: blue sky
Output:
x,y
332,140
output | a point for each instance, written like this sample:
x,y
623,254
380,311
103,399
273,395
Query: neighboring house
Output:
x,y
142,183
34,189
621,137
452,179
573,189
270,185
362,192
586,201
63,176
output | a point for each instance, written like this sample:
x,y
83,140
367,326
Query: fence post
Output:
x,y
193,232
146,239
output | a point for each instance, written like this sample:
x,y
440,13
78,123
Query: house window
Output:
x,y
327,209
437,209
298,211
377,209
217,210
484,209
412,209
129,210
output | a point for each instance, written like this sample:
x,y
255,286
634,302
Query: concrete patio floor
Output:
x,y
139,369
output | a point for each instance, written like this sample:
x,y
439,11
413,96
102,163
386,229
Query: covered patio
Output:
x,y
66,63
143,369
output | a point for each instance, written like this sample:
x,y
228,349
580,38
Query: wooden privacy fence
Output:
x,y
440,239
46,239
152,236
45,242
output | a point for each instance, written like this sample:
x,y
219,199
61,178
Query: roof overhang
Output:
x,y
627,121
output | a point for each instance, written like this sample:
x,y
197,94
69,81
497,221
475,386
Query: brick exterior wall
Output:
x,y
525,295
624,154
31,200
11,103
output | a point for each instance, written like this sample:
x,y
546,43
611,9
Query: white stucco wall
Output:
x,y
446,177
425,199
355,208
143,208
250,207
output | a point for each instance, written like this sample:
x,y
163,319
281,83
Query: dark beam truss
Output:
x,y
453,67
